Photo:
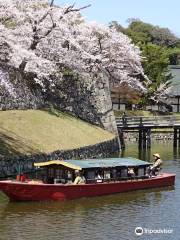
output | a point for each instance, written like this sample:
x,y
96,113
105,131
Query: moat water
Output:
x,y
112,217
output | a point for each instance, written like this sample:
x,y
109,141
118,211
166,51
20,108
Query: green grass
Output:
x,y
45,131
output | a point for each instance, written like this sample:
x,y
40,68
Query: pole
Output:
x,y
144,138
149,138
179,137
175,137
140,138
121,138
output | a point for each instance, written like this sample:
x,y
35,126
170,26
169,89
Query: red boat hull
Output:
x,y
17,191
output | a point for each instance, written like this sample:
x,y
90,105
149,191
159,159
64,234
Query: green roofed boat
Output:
x,y
71,179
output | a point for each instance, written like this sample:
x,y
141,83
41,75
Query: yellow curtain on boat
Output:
x,y
58,162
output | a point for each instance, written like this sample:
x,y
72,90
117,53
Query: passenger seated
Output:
x,y
79,178
98,178
131,172
156,165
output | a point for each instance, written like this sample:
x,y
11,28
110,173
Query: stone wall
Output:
x,y
86,97
9,167
83,96
23,94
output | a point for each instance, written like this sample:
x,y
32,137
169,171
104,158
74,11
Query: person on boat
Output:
x,y
98,177
79,177
156,165
131,172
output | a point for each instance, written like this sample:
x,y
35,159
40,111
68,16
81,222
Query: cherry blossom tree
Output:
x,y
44,39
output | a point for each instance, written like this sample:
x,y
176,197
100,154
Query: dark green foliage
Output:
x,y
174,55
156,63
147,33
156,67
159,47
139,32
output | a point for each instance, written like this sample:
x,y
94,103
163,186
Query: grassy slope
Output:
x,y
34,131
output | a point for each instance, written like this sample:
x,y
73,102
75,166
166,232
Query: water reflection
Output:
x,y
142,154
49,216
81,204
165,149
176,152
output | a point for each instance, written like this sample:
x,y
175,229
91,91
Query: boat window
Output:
x,y
113,173
118,173
51,172
90,174
107,174
59,173
124,173
141,172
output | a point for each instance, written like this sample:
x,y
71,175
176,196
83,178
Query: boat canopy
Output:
x,y
96,163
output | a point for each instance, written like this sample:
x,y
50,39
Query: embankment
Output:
x,y
27,136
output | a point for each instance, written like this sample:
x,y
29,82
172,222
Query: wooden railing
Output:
x,y
155,121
